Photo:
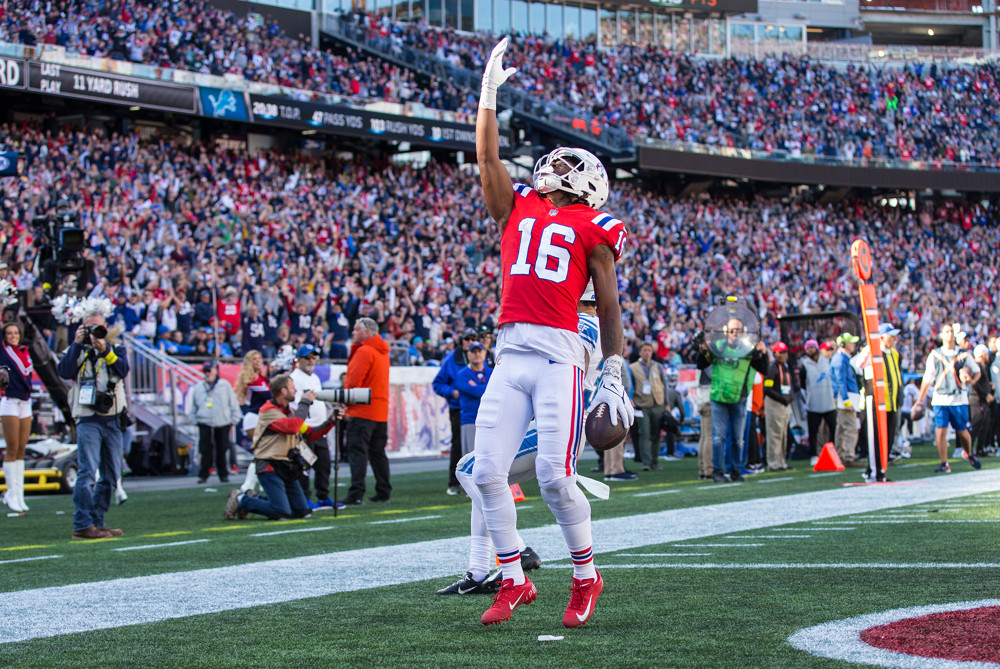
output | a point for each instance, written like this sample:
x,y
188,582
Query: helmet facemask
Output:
x,y
574,171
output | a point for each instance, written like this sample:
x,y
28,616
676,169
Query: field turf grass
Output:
x,y
650,615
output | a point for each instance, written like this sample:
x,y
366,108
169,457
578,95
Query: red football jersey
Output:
x,y
544,251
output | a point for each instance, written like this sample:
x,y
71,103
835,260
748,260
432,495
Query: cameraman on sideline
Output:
x,y
98,366
278,469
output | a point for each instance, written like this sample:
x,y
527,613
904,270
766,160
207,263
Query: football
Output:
x,y
601,434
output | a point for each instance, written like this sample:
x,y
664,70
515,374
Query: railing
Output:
x,y
156,380
893,54
544,111
950,6
838,161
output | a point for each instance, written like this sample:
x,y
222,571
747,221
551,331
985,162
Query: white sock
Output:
x,y
582,554
520,543
479,557
501,519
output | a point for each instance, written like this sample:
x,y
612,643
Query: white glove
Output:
x,y
612,391
494,76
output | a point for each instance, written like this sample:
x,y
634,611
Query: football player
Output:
x,y
552,239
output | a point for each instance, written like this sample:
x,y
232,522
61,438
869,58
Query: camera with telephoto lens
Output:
x,y
95,331
346,396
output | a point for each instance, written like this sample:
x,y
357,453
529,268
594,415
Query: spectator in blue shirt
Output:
x,y
471,384
444,386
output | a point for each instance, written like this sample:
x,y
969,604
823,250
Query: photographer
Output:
x,y
279,455
98,368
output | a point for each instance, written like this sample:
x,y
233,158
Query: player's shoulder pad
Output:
x,y
612,232
524,190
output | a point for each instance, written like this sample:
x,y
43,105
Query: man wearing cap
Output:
x,y
847,398
778,407
215,409
305,379
444,385
893,383
486,339
471,384
950,371
818,391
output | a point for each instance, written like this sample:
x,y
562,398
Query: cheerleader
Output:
x,y
253,388
15,413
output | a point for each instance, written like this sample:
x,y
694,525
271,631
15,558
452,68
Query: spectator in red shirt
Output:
x,y
228,311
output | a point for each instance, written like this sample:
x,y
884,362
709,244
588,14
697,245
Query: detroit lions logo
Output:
x,y
226,102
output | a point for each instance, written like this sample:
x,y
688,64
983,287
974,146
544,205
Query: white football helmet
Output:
x,y
585,176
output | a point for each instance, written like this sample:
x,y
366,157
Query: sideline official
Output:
x,y
98,366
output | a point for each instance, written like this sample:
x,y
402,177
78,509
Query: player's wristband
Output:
x,y
612,368
488,96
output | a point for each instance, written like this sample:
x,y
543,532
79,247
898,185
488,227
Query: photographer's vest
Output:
x,y
91,369
731,380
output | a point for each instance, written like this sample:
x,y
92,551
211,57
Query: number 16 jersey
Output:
x,y
544,252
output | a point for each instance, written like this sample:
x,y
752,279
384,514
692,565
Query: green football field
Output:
x,y
696,574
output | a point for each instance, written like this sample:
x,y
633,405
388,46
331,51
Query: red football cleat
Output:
x,y
509,598
582,601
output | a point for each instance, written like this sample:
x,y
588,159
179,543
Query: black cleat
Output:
x,y
470,586
719,477
529,560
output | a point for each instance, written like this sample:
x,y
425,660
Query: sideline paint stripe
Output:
x,y
67,609
172,543
902,521
775,536
401,520
783,478
32,559
658,492
841,639
25,548
304,529
163,534
658,555
224,528
803,565
816,476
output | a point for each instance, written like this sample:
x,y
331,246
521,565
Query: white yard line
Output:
x,y
32,559
719,545
67,609
658,492
901,521
301,529
775,536
658,555
402,520
821,474
172,543
783,478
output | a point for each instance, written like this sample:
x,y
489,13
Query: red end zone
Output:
x,y
972,635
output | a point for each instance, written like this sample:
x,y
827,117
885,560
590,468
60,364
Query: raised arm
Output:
x,y
498,189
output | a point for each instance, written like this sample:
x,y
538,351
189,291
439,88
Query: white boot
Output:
x,y
120,496
20,484
250,483
9,476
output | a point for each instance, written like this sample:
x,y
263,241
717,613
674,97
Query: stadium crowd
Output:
x,y
291,247
918,112
193,35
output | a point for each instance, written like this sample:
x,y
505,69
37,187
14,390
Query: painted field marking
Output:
x,y
816,476
402,520
392,511
658,555
776,536
167,545
804,565
815,529
25,548
901,521
441,506
301,529
526,506
163,534
716,486
780,478
719,545
841,639
912,464
224,528
67,609
658,492
31,559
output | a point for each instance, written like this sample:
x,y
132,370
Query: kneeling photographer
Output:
x,y
98,366
280,455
